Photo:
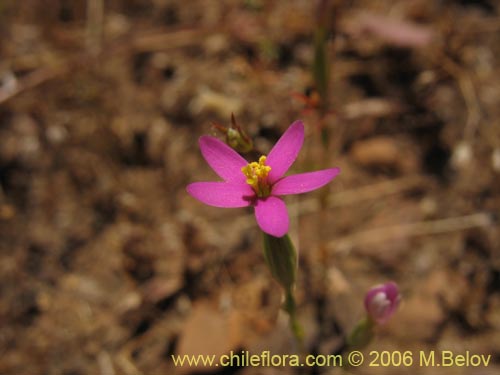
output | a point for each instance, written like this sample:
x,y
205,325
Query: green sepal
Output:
x,y
281,259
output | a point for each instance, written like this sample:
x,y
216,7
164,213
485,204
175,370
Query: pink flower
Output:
x,y
258,184
381,302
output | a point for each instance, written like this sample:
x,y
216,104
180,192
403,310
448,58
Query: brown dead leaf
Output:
x,y
209,331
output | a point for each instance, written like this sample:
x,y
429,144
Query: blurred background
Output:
x,y
108,267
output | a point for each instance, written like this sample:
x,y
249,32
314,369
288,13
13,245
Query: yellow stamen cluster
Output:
x,y
256,174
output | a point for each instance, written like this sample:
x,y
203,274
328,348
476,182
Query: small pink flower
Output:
x,y
381,302
259,184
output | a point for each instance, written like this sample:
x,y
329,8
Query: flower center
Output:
x,y
256,174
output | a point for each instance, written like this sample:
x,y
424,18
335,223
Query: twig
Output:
x,y
158,41
469,94
169,40
422,228
489,25
354,196
31,80
95,25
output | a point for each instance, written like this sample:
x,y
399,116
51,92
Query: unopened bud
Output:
x,y
382,301
236,137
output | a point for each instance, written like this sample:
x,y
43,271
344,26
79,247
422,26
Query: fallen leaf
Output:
x,y
210,332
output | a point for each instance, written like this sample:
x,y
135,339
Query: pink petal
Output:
x,y
272,216
222,194
285,151
382,301
392,291
304,182
226,162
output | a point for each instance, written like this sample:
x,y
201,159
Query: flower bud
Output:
x,y
381,302
238,140
236,137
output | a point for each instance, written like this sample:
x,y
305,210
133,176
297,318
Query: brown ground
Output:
x,y
108,267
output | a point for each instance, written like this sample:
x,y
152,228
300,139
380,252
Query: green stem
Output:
x,y
362,334
291,308
281,258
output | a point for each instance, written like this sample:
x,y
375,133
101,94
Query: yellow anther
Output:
x,y
256,174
